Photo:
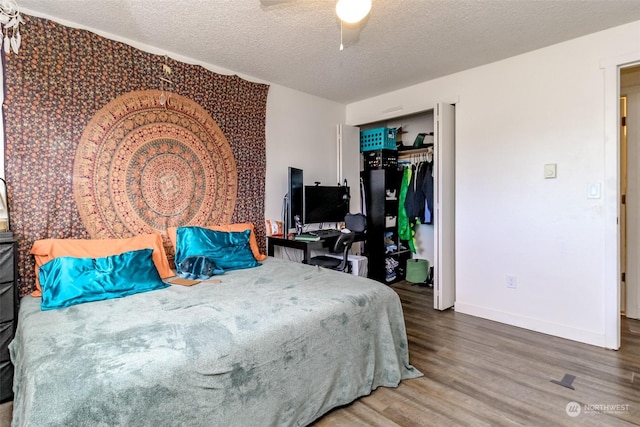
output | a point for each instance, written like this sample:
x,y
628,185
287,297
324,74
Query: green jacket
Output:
x,y
405,227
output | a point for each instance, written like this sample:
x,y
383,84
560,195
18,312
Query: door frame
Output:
x,y
630,211
623,177
611,251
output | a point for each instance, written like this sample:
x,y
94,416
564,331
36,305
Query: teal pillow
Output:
x,y
229,250
68,281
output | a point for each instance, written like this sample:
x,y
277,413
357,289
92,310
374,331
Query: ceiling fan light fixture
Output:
x,y
352,11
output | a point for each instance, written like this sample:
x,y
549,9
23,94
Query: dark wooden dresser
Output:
x,y
8,314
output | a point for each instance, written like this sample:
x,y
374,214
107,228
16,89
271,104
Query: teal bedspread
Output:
x,y
279,345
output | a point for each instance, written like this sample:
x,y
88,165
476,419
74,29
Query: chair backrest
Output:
x,y
344,241
356,222
343,245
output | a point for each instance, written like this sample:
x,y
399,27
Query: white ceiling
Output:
x,y
295,43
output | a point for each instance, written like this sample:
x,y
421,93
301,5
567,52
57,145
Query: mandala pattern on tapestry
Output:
x,y
141,167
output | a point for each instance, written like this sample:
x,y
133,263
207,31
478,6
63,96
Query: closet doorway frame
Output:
x,y
444,263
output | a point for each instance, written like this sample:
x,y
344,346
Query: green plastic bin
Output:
x,y
417,270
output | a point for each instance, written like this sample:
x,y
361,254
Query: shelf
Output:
x,y
382,188
397,253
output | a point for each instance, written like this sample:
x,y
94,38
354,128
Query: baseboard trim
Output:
x,y
537,325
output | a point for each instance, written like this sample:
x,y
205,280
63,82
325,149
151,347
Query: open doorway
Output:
x,y
629,178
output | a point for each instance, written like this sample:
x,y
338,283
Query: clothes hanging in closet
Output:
x,y
419,200
406,230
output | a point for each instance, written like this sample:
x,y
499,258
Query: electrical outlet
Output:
x,y
512,282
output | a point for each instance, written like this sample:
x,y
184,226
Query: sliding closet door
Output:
x,y
444,196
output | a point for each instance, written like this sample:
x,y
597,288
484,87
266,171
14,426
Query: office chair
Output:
x,y
341,246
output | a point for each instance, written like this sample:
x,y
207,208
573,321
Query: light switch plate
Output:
x,y
593,191
550,170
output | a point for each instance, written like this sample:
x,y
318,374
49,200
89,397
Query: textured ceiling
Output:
x,y
295,43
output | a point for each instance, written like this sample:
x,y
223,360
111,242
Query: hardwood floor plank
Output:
x,y
478,372
360,413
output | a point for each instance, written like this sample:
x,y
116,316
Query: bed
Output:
x,y
279,344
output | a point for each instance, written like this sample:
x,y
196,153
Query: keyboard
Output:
x,y
325,233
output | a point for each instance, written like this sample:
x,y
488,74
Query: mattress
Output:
x,y
279,344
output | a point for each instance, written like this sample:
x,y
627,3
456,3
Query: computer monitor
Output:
x,y
325,204
295,196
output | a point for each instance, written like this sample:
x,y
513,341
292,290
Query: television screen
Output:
x,y
296,194
325,204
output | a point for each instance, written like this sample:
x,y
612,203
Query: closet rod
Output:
x,y
405,154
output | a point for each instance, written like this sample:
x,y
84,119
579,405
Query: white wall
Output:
x,y
301,132
512,117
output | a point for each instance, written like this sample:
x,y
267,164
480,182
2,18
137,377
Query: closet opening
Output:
x,y
421,179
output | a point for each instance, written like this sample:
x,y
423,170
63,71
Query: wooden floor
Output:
x,y
483,373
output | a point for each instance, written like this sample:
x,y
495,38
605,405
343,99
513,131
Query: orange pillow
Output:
x,y
47,249
274,228
253,243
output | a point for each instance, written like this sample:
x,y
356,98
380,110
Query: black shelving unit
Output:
x,y
387,254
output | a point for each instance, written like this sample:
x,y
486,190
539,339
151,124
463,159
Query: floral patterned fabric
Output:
x,y
56,88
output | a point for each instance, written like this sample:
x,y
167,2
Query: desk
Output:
x,y
303,245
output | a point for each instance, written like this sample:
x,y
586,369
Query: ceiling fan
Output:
x,y
349,12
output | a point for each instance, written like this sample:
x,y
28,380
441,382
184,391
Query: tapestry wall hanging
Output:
x,y
92,152
141,168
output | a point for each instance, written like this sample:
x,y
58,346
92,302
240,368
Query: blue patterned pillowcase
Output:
x,y
68,281
229,250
